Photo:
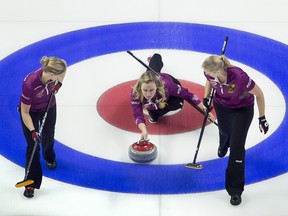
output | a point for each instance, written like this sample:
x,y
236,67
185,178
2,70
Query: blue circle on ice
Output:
x,y
265,160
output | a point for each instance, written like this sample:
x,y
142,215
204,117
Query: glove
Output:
x,y
206,104
263,124
36,136
57,87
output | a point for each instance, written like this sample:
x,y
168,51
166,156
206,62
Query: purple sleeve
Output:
x,y
178,91
247,83
137,110
26,95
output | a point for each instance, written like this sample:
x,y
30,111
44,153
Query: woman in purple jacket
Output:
x,y
36,89
158,94
234,105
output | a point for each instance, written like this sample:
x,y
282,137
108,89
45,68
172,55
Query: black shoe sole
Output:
x,y
28,193
51,165
235,200
222,153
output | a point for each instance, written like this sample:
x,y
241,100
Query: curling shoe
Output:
x,y
29,192
153,120
235,199
222,152
51,165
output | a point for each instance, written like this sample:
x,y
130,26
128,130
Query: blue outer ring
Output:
x,y
265,160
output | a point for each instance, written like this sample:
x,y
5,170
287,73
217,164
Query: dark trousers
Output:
x,y
233,127
173,103
156,63
35,172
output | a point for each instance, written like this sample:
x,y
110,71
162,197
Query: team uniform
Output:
x,y
175,95
37,94
234,108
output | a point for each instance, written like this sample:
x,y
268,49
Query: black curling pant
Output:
x,y
173,103
233,127
156,63
35,172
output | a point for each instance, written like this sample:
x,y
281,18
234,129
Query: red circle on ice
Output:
x,y
114,106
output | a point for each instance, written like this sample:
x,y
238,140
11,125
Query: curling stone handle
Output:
x,y
142,142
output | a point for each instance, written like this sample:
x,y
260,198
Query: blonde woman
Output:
x,y
234,106
158,94
36,89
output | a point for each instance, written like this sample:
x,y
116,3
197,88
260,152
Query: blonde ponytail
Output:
x,y
53,65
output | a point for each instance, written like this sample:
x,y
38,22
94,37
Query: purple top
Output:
x,y
35,93
234,92
171,89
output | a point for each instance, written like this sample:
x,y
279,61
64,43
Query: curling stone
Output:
x,y
142,151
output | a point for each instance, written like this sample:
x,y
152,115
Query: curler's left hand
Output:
x,y
263,124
